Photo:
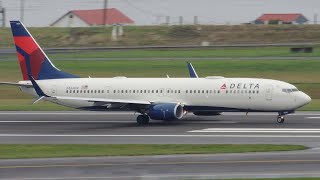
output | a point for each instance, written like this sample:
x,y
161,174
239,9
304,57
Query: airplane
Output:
x,y
163,99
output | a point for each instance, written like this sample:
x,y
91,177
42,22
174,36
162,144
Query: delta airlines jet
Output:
x,y
154,98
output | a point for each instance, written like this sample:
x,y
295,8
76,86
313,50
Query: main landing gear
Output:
x,y
143,119
280,119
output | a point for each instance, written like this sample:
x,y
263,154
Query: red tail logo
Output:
x,y
223,86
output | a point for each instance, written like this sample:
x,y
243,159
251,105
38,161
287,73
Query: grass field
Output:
x,y
183,53
302,73
76,150
169,35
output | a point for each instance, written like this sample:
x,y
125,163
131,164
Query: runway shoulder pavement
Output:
x,y
120,127
247,165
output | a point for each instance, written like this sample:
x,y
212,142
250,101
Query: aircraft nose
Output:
x,y
303,99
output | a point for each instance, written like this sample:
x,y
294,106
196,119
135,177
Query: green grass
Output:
x,y
169,35
70,150
297,71
185,53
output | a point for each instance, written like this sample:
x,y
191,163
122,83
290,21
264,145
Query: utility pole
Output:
x,y
3,15
21,10
104,14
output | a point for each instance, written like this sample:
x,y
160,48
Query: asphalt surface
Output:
x,y
117,127
120,127
248,165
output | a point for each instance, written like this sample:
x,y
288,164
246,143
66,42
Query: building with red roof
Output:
x,y
281,19
96,17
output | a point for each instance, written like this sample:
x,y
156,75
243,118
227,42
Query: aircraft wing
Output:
x,y
16,84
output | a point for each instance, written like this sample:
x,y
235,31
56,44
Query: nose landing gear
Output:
x,y
280,119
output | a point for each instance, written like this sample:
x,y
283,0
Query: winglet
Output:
x,y
192,72
37,88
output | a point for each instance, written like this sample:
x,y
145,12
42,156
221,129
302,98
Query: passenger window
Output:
x,y
187,91
179,91
152,91
218,91
145,91
207,91
157,91
226,91
210,91
194,91
98,91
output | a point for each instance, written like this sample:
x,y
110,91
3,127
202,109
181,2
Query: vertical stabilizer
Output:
x,y
33,61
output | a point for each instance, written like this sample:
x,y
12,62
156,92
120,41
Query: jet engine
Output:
x,y
166,111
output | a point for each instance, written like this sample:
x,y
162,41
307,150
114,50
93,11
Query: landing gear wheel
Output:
x,y
143,119
280,119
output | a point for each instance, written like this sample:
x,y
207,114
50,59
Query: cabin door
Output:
x,y
53,90
269,93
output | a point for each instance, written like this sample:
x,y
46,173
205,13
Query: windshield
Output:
x,y
290,90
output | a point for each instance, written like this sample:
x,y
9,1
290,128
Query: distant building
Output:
x,y
87,18
281,19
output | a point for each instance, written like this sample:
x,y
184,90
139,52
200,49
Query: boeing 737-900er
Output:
x,y
164,99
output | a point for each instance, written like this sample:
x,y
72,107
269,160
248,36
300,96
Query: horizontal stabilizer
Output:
x,y
15,84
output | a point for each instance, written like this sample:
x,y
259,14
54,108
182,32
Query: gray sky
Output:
x,y
147,12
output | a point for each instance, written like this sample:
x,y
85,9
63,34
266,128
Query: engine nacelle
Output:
x,y
166,111
207,113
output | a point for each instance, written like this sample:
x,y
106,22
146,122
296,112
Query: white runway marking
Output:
x,y
256,130
160,135
312,117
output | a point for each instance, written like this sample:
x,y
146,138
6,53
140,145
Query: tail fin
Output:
x,y
33,61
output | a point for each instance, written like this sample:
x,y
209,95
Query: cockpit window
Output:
x,y
290,90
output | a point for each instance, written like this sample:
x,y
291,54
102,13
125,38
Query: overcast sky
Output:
x,y
147,12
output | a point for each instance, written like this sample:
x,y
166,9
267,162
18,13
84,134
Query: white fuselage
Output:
x,y
211,93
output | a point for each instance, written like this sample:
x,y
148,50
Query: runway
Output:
x,y
248,165
120,127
